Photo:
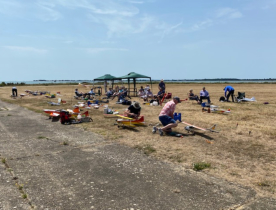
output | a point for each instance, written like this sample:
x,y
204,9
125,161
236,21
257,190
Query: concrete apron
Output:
x,y
94,173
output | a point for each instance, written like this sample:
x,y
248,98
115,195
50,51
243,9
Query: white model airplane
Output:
x,y
215,109
60,101
191,128
246,99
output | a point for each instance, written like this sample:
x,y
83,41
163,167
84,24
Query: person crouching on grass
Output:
x,y
166,117
134,110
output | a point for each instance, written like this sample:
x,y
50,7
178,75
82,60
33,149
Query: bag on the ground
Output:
x,y
222,98
64,117
153,100
126,102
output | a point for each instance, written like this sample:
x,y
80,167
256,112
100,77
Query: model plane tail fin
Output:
x,y
76,110
86,114
213,128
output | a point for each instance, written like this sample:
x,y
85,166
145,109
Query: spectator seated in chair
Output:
x,y
141,92
204,94
89,94
123,95
109,93
147,88
117,93
78,94
160,96
148,95
192,96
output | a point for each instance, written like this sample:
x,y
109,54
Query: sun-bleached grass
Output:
x,y
243,151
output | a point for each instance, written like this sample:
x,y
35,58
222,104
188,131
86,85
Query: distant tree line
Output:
x,y
12,84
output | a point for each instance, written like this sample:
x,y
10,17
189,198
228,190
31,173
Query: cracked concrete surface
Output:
x,y
94,173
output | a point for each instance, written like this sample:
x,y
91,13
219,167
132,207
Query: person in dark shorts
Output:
x,y
166,117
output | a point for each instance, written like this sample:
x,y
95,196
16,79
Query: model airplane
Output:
x,y
56,113
215,109
130,122
191,128
60,101
246,99
53,103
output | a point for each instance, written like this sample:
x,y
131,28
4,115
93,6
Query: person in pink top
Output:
x,y
166,117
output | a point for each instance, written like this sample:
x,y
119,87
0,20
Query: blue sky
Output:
x,y
169,39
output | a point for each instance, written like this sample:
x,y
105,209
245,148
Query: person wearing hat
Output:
x,y
166,117
204,94
230,91
134,110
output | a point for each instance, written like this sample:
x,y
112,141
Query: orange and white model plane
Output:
x,y
56,113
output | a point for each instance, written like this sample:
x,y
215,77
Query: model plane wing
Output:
x,y
124,117
193,126
54,114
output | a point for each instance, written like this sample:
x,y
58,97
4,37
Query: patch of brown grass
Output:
x,y
243,151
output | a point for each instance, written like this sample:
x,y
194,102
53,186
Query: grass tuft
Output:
x,y
41,137
201,165
65,143
147,149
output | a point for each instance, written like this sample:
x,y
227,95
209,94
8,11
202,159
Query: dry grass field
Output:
x,y
243,151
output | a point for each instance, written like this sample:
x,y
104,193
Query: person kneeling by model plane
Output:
x,y
166,117
133,111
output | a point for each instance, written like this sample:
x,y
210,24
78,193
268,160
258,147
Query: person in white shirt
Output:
x,y
204,94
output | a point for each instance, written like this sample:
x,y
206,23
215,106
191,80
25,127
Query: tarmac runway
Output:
x,y
47,165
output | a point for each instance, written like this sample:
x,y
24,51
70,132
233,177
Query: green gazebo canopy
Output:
x,y
134,76
107,77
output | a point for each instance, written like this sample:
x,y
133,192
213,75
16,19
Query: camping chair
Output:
x,y
166,96
124,95
240,96
77,96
